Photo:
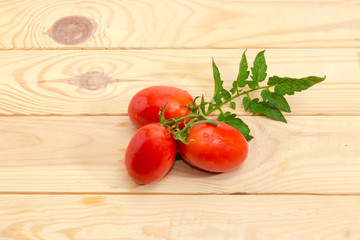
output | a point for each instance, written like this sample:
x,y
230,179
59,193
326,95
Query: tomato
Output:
x,y
150,153
214,149
144,107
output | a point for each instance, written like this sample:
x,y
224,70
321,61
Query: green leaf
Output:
x,y
242,75
266,109
248,137
233,105
265,94
252,84
286,85
203,104
259,69
219,92
234,87
243,71
217,79
224,94
275,100
237,123
222,116
246,102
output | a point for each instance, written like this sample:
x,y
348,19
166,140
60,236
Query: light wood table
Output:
x,y
65,84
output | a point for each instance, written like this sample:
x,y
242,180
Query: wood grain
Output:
x,y
185,24
86,154
103,82
63,177
181,217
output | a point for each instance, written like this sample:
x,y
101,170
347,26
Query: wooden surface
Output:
x,y
310,154
102,82
181,217
185,24
64,127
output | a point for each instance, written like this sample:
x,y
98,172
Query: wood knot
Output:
x,y
72,30
93,80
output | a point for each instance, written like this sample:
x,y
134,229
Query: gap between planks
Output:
x,y
167,49
174,48
180,193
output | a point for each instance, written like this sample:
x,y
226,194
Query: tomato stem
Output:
x,y
232,98
195,118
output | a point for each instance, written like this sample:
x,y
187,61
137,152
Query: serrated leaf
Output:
x,y
234,87
217,99
255,100
237,123
243,71
279,102
246,102
233,105
266,109
275,100
217,79
221,117
265,94
248,137
258,71
225,94
252,84
286,85
202,104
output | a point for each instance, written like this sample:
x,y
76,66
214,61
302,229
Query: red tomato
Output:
x,y
144,107
214,149
150,153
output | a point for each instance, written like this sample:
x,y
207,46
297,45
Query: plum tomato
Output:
x,y
150,153
145,105
214,149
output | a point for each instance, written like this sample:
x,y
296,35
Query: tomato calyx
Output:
x,y
196,117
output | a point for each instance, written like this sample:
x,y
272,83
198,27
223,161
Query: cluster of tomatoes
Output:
x,y
152,150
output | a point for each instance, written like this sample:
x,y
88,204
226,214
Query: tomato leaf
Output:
x,y
252,84
237,123
286,85
217,79
233,105
265,108
258,70
234,87
219,92
203,103
242,75
275,100
243,71
246,102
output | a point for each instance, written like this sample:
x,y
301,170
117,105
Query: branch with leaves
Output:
x,y
272,104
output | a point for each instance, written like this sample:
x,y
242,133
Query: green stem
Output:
x,y
197,117
205,121
235,96
175,120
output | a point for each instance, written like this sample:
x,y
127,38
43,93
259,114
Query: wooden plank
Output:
x,y
73,217
86,154
27,24
102,82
